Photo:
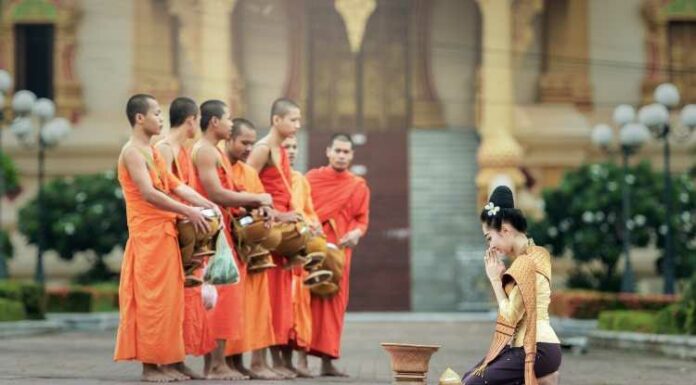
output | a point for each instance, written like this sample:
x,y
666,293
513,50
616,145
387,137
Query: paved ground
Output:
x,y
85,358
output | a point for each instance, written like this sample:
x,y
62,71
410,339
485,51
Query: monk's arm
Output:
x,y
361,219
259,157
206,163
137,169
192,196
167,153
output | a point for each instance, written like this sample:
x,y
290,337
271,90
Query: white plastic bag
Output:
x,y
209,295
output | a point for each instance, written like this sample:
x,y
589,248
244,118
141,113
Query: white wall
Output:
x,y
104,53
617,51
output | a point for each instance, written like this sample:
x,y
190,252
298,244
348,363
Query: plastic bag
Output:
x,y
222,269
209,295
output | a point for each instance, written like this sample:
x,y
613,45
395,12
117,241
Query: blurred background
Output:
x,y
583,107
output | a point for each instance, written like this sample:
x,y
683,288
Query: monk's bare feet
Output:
x,y
223,372
264,373
151,373
182,368
303,372
172,372
283,371
329,370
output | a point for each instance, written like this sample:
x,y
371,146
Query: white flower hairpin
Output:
x,y
492,209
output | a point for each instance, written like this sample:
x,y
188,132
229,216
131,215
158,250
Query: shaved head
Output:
x,y
282,107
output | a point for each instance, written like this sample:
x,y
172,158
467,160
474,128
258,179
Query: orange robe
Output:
x,y
342,202
301,334
198,339
258,322
280,279
226,319
151,291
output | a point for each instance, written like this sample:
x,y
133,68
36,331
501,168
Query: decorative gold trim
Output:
x,y
355,14
67,89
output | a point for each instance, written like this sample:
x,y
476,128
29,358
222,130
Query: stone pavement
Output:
x,y
85,358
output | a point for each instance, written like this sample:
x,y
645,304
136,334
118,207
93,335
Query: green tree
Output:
x,y
82,213
583,215
9,188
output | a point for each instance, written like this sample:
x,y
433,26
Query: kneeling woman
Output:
x,y
525,349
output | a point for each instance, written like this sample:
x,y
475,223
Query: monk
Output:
x,y
342,202
213,179
258,322
270,160
184,120
301,335
151,290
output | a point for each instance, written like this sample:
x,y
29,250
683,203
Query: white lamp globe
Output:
x,y
5,81
624,114
653,115
602,135
688,116
634,135
23,101
667,94
44,109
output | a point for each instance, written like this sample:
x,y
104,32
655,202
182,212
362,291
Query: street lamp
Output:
x,y
656,117
35,125
631,137
5,86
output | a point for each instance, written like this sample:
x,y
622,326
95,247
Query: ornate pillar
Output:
x,y
669,56
499,155
206,66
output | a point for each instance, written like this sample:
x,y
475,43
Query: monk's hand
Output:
x,y
316,229
195,215
494,265
267,213
288,217
215,208
350,239
264,199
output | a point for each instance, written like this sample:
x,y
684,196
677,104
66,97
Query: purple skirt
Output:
x,y
508,367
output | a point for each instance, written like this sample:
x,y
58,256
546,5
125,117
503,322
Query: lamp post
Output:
x,y
656,117
631,137
35,125
5,86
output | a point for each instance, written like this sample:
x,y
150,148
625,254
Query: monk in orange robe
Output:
x,y
258,321
184,121
301,335
213,179
151,291
271,162
342,202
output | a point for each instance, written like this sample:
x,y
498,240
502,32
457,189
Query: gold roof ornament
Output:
x,y
355,14
450,377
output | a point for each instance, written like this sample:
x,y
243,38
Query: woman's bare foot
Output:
x,y
329,370
551,379
151,373
182,368
172,372
224,372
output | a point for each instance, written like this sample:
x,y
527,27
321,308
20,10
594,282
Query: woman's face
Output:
x,y
500,241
